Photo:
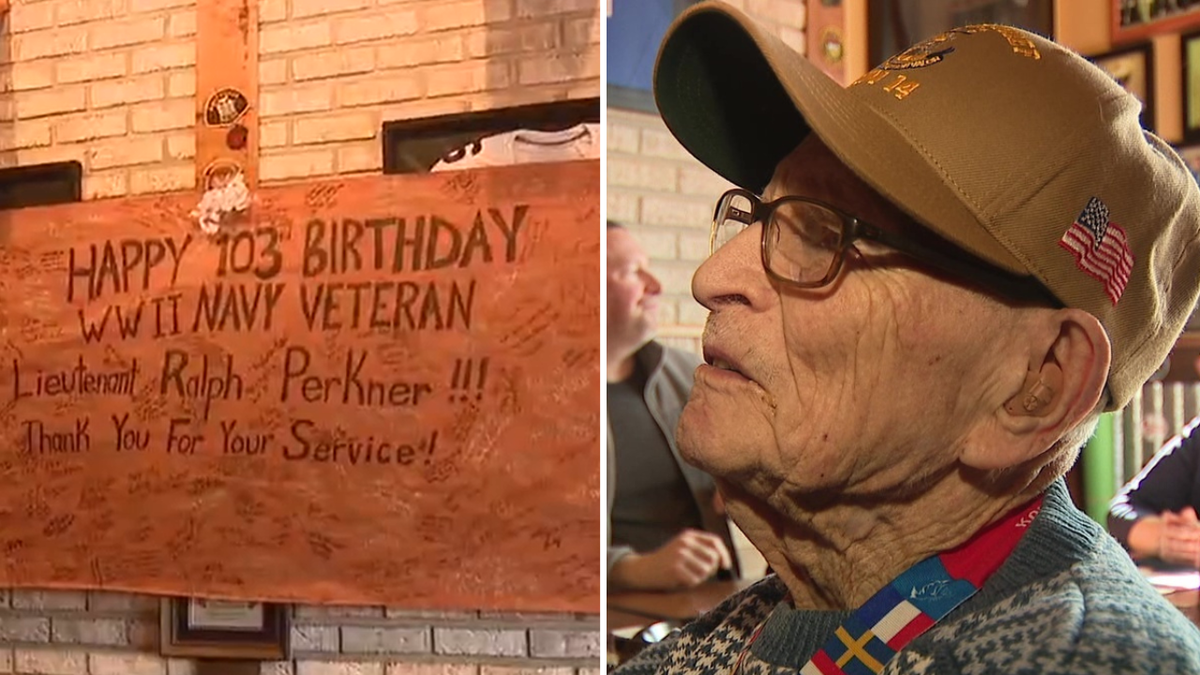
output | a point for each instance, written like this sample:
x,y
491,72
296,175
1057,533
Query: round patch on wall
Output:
x,y
225,107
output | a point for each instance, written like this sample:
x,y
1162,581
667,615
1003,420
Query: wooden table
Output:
x,y
676,605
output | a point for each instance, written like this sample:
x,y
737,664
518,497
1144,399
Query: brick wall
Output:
x,y
666,198
111,83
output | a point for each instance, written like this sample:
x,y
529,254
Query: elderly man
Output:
x,y
926,289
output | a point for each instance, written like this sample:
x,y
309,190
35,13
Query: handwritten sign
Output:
x,y
380,390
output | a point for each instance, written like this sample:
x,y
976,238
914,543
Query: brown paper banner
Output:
x,y
378,390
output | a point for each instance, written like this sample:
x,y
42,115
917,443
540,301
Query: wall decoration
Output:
x,y
380,390
1133,68
1134,20
538,133
635,29
1189,47
222,629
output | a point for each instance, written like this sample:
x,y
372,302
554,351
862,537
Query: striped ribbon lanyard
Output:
x,y
916,600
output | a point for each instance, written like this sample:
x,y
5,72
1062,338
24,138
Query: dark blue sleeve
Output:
x,y
1169,482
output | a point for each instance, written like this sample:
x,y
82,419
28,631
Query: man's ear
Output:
x,y
1069,355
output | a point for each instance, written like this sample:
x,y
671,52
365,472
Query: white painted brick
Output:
x,y
272,71
53,42
622,138
107,632
578,33
674,211
27,75
106,35
660,244
315,638
431,669
676,277
545,68
92,67
175,113
54,153
630,172
466,78
295,99
479,642
794,38
81,11
361,28
693,246
50,662
140,6
660,143
333,63
692,313
181,667
6,661
162,57
623,207
90,126
541,8
101,663
102,184
24,629
527,38
182,24
103,601
270,11
379,90
143,634
368,640
296,165
338,668
125,91
337,611
444,15
545,643
417,51
293,37
360,157
26,16
525,670
427,615
164,178
306,8
181,146
273,134
339,127
702,181
26,134
49,102
125,152
181,84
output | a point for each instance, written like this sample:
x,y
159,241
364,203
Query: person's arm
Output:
x,y
1164,485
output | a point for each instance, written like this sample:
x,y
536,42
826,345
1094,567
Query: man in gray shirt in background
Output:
x,y
665,529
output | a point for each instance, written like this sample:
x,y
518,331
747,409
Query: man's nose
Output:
x,y
652,285
733,274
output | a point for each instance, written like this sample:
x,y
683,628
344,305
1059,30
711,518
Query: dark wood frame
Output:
x,y
41,185
1191,135
430,138
1173,23
1146,51
271,643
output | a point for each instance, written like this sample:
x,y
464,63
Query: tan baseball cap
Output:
x,y
1010,146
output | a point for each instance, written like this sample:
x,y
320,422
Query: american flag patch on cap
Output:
x,y
1100,248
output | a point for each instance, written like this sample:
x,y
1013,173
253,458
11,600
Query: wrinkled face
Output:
x,y
632,292
865,386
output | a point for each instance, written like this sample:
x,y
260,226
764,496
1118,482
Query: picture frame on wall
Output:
x,y
635,29
1134,20
1133,68
1189,53
219,629
894,26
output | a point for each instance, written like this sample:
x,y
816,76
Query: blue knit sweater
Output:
x,y
1068,600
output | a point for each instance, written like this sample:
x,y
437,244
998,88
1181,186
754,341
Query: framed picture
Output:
x,y
1189,47
557,131
219,629
635,30
1139,19
895,26
1133,68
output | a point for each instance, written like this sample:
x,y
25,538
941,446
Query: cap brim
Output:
x,y
740,100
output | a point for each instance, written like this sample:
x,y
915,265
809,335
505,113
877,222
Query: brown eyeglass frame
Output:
x,y
969,268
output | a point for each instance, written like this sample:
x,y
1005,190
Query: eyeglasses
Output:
x,y
804,243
